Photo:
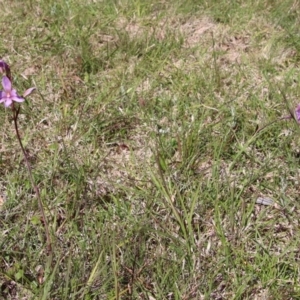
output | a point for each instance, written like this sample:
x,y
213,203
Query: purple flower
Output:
x,y
4,68
8,95
28,92
297,113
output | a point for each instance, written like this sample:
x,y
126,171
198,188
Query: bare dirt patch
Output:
x,y
194,30
135,29
205,31
234,47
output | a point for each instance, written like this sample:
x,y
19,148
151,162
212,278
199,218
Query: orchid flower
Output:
x,y
8,95
4,68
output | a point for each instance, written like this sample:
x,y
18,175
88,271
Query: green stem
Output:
x,y
36,189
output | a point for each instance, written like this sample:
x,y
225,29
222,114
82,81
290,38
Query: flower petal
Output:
x,y
13,93
7,102
28,92
17,99
3,95
6,83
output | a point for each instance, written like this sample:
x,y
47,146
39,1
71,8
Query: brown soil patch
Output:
x,y
200,31
133,28
194,30
234,47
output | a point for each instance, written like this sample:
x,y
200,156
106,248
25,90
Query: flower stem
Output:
x,y
36,189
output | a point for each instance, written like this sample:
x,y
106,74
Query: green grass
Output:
x,y
144,138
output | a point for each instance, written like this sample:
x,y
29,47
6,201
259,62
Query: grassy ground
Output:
x,y
147,140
